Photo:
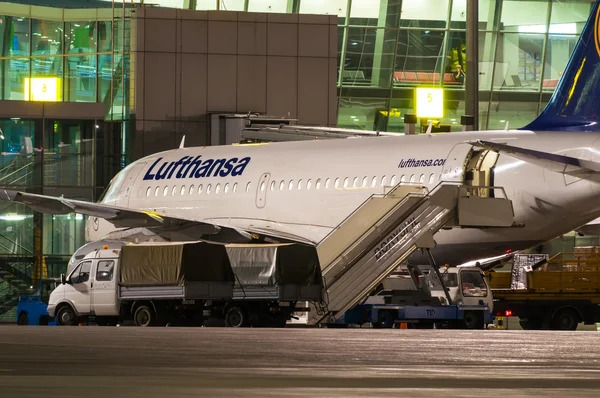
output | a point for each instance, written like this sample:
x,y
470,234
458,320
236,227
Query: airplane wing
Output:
x,y
122,217
550,161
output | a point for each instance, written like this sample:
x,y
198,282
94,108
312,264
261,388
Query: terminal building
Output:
x,y
87,86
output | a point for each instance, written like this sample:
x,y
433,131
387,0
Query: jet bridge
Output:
x,y
386,229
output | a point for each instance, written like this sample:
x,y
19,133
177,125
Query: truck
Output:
x,y
187,283
549,293
33,309
419,299
149,284
271,283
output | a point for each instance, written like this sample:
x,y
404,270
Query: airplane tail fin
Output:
x,y
575,104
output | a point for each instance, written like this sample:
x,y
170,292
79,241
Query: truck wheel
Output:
x,y
66,316
23,320
473,320
531,323
566,319
236,317
143,316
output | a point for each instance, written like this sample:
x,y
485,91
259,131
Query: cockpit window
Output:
x,y
112,191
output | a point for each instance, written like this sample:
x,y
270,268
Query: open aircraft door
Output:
x,y
454,166
261,190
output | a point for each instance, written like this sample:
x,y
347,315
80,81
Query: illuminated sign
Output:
x,y
430,102
42,89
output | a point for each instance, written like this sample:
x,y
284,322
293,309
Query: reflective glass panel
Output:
x,y
424,13
369,58
519,60
331,7
526,16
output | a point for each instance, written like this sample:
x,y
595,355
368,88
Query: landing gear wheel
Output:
x,y
565,320
144,316
473,320
66,316
236,317
23,320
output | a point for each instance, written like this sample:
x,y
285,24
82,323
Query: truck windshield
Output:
x,y
473,284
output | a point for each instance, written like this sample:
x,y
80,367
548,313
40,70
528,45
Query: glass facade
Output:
x,y
386,48
77,60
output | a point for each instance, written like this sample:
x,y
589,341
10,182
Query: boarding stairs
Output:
x,y
386,229
15,281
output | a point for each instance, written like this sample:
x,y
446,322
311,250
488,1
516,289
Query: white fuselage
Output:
x,y
308,188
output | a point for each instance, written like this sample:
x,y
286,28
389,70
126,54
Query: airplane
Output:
x,y
300,191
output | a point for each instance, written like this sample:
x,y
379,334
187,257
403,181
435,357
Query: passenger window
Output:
x,y
174,190
148,191
272,186
318,184
248,186
346,182
191,189
226,188
182,190
105,270
431,178
82,274
166,191
199,189
218,188
262,186
208,187
412,178
156,191
393,181
422,178
327,183
337,182
235,187
308,184
281,185
299,184
291,185
374,182
403,178
365,182
383,181
355,182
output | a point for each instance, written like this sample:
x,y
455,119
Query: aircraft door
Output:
x,y
127,185
261,190
454,166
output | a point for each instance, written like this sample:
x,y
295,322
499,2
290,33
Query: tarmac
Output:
x,y
112,362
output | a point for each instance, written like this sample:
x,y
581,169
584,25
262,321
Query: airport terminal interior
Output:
x,y
90,51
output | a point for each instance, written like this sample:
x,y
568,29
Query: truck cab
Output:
x,y
89,289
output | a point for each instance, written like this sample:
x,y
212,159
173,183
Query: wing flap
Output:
x,y
557,163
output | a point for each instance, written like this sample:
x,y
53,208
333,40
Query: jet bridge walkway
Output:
x,y
386,229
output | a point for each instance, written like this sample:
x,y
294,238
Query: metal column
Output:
x,y
472,75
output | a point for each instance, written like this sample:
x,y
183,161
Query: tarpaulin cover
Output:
x,y
274,265
172,264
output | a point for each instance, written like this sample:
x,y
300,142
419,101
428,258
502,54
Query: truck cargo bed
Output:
x,y
188,291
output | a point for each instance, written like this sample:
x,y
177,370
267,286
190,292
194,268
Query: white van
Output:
x,y
151,283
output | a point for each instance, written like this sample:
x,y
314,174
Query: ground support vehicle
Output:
x,y
419,298
556,293
419,317
271,281
151,284
33,309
